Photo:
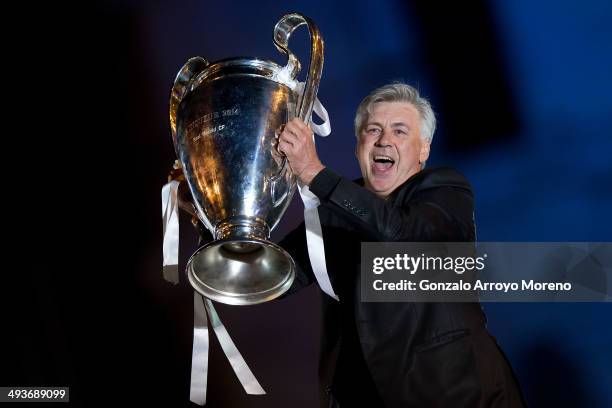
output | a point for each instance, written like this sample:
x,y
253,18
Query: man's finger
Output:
x,y
284,147
296,126
291,129
301,124
288,136
302,130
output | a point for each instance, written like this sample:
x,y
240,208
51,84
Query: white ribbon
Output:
x,y
199,354
171,231
201,308
199,359
324,129
314,240
314,232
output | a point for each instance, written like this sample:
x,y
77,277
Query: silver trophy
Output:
x,y
225,118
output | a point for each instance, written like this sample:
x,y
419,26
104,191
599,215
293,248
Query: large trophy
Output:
x,y
225,118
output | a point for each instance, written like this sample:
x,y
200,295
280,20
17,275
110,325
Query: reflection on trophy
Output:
x,y
225,117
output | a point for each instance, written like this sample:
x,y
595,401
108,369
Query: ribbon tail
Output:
x,y
170,219
199,356
314,240
242,370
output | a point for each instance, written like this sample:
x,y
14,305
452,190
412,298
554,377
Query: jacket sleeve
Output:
x,y
439,210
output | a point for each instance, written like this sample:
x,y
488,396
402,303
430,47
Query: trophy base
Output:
x,y
241,271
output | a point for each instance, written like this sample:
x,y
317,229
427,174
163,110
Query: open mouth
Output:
x,y
382,163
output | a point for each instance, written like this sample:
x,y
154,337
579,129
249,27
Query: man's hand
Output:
x,y
297,143
185,202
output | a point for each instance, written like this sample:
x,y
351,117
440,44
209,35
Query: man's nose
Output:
x,y
383,139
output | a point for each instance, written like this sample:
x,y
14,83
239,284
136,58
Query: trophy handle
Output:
x,y
180,88
276,201
282,32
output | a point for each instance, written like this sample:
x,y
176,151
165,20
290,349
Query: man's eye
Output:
x,y
373,130
399,132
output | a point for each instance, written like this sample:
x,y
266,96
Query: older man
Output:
x,y
395,354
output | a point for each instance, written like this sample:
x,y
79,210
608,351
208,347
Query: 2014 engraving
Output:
x,y
234,111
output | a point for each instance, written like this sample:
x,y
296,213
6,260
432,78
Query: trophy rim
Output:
x,y
256,67
244,60
241,299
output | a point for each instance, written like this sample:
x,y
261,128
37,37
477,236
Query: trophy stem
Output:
x,y
238,233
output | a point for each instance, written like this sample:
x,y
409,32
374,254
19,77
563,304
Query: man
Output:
x,y
395,354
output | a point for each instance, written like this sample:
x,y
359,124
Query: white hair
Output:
x,y
398,92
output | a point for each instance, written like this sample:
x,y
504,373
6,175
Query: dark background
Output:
x,y
522,93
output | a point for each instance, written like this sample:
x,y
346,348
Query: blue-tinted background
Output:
x,y
522,93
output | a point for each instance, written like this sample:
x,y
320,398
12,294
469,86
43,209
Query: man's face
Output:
x,y
390,149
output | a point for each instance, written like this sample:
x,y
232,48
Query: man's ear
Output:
x,y
424,154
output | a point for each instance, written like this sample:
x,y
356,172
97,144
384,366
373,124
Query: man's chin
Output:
x,y
381,187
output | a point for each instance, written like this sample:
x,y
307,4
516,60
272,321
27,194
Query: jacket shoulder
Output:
x,y
442,177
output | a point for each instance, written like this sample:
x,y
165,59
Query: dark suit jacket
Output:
x,y
401,354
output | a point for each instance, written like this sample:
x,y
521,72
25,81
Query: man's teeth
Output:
x,y
383,159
